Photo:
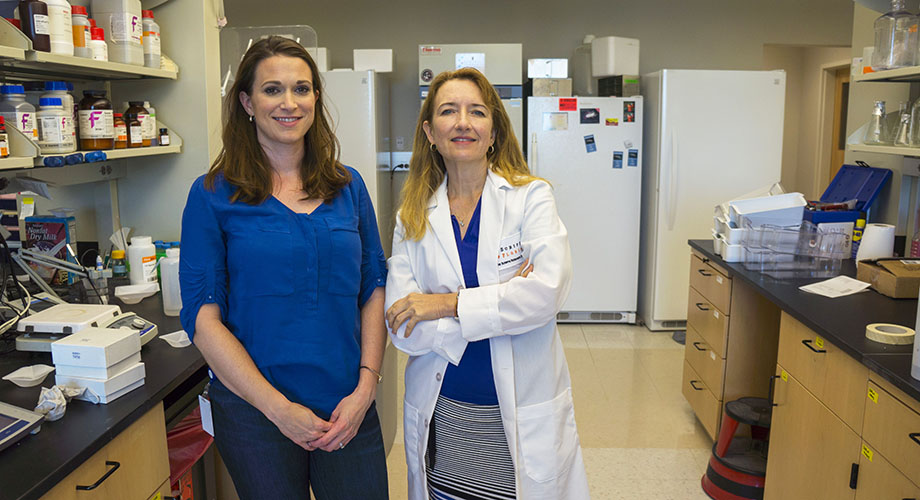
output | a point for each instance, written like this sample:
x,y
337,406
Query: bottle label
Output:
x,y
137,134
151,43
25,122
148,126
164,140
60,20
149,264
51,130
126,27
79,36
121,133
97,124
4,146
100,50
42,24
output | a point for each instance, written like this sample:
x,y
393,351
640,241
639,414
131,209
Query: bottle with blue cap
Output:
x,y
62,91
53,133
16,111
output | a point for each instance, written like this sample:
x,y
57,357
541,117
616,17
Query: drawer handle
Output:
x,y
699,305
109,463
807,343
705,259
693,384
915,436
704,273
697,345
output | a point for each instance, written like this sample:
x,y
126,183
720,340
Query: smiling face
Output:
x,y
461,124
282,101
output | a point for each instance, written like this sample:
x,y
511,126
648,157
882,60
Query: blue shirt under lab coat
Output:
x,y
289,286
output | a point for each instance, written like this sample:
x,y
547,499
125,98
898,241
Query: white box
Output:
x,y
98,372
782,210
547,68
96,347
379,60
108,389
614,55
321,57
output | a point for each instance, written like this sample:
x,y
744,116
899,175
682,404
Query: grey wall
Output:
x,y
706,34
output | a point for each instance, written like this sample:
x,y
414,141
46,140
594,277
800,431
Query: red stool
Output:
x,y
738,466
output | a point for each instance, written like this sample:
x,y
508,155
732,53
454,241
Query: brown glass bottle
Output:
x,y
135,132
97,121
34,18
136,112
121,132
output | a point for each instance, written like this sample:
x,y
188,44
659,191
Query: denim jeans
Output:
x,y
264,463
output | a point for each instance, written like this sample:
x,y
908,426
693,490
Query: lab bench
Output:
x,y
846,418
65,453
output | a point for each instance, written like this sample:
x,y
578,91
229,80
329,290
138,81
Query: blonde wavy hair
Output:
x,y
426,168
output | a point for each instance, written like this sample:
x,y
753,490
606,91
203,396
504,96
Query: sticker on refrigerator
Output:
x,y
632,158
590,146
590,116
568,104
617,159
629,111
555,121
612,122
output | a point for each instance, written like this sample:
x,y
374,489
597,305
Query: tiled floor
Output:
x,y
640,437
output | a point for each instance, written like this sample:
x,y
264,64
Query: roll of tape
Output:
x,y
887,333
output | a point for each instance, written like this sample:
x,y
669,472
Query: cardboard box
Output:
x,y
549,87
48,235
96,372
110,389
96,347
896,278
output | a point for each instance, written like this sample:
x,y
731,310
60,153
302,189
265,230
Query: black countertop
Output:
x,y
842,321
31,467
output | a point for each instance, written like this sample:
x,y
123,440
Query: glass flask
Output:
x,y
876,131
896,38
902,137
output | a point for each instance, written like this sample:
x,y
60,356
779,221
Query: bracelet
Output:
x,y
375,372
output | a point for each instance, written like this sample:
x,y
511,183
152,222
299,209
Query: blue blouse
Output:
x,y
472,380
289,286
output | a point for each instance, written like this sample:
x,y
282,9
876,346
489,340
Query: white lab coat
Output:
x,y
517,314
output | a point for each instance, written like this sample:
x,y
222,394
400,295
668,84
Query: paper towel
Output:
x,y
877,242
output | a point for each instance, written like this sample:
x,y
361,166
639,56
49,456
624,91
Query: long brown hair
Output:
x,y
242,161
427,169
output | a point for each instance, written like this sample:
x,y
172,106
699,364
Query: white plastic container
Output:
x,y
583,82
142,260
61,24
169,282
97,44
122,22
781,210
151,40
59,90
614,55
16,111
53,135
81,32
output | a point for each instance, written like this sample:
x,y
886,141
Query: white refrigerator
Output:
x,y
710,136
590,149
359,106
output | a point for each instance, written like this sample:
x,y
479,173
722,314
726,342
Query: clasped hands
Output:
x,y
310,432
417,307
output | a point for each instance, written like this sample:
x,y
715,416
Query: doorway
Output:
x,y
838,143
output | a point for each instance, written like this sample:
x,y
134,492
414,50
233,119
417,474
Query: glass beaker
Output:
x,y
896,38
876,131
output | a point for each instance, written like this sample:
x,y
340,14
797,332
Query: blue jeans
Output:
x,y
264,463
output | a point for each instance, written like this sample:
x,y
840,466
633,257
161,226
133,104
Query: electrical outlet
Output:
x,y
400,143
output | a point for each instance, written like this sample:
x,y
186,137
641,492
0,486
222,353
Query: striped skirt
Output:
x,y
468,457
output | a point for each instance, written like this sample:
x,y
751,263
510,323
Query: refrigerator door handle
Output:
x,y
533,154
672,181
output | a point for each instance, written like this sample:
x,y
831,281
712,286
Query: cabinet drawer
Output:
x,y
879,480
708,409
712,282
893,429
835,378
143,464
708,321
162,492
812,451
705,362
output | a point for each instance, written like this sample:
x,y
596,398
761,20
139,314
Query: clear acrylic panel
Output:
x,y
234,42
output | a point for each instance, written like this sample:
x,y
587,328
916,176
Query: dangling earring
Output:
x,y
250,118
491,149
432,147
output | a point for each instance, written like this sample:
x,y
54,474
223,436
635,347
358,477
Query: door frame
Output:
x,y
825,125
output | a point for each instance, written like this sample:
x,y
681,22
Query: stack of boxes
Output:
x,y
105,361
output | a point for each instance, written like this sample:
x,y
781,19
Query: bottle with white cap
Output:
x,y
142,260
169,282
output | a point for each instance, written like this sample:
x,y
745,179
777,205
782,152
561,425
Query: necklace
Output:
x,y
459,220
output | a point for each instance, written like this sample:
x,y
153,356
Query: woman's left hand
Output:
x,y
417,307
346,419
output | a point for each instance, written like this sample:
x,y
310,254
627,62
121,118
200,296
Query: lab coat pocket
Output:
x,y
345,269
510,256
548,438
270,244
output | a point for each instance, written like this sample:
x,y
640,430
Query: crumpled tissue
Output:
x,y
52,403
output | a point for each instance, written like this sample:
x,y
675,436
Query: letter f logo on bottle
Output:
x,y
93,116
25,121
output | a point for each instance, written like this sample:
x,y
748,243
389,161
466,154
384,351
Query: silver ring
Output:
x,y
342,445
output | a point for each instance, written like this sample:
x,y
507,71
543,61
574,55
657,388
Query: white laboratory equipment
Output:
x,y
590,149
711,136
501,63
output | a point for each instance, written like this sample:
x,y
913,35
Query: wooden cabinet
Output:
x,y
134,465
731,342
879,480
892,427
812,452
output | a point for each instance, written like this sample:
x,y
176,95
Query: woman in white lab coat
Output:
x,y
480,267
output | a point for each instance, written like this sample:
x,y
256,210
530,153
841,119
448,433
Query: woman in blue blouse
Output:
x,y
282,277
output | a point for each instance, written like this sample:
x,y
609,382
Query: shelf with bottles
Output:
x,y
900,75
18,59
